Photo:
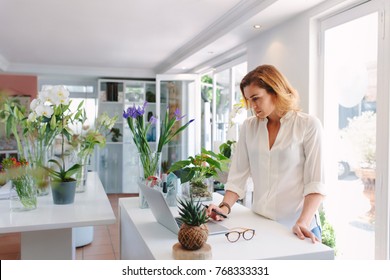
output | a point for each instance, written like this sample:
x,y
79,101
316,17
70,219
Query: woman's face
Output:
x,y
262,103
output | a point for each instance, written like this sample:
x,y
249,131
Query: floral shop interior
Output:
x,y
127,95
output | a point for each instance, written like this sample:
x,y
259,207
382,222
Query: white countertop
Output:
x,y
91,207
272,240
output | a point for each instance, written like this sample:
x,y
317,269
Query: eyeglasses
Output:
x,y
235,234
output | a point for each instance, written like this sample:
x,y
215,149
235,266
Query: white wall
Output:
x,y
290,47
287,48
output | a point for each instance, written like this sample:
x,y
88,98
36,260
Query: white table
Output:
x,y
46,232
141,237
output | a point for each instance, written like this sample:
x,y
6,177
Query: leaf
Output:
x,y
179,165
186,175
53,122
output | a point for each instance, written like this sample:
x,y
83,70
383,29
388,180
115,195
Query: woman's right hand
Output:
x,y
214,215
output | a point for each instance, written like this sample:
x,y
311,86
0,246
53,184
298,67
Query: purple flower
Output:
x,y
134,111
177,114
153,120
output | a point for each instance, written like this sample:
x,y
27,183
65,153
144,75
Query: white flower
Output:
x,y
32,116
44,110
44,97
34,104
59,95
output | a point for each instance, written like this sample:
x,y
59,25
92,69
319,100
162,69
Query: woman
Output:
x,y
281,149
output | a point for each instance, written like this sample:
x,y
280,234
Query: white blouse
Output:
x,y
283,175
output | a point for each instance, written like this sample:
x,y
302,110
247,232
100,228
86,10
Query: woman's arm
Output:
x,y
230,198
310,206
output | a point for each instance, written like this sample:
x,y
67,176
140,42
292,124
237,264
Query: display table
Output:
x,y
46,232
142,237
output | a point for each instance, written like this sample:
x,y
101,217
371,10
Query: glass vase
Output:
x,y
23,193
149,168
38,154
199,189
81,175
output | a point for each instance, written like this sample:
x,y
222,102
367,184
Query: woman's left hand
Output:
x,y
302,232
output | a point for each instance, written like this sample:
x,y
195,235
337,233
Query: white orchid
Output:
x,y
44,110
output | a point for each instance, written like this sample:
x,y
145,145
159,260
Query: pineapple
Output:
x,y
193,232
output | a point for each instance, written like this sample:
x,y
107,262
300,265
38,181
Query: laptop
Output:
x,y
164,216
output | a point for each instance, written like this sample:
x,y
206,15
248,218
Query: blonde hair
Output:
x,y
274,82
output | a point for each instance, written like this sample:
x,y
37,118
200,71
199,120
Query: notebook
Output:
x,y
164,216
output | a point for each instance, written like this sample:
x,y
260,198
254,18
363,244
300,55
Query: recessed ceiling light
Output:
x,y
257,26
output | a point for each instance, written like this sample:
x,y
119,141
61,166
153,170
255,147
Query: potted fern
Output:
x,y
193,231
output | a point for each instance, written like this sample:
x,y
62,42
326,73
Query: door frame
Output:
x,y
382,193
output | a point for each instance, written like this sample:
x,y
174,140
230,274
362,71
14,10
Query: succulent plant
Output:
x,y
193,232
192,213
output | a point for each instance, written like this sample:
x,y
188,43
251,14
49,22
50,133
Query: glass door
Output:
x,y
350,52
180,92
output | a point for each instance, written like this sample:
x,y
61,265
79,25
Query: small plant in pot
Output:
x,y
198,171
193,232
63,183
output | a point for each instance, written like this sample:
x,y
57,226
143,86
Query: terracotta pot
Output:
x,y
368,175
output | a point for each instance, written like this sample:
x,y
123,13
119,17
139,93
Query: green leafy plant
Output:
x,y
196,169
226,148
328,234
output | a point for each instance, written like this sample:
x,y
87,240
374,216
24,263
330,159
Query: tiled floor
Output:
x,y
105,245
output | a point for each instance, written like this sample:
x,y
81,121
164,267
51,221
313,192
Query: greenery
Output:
x,y
202,166
51,116
97,136
328,235
226,148
12,114
191,213
139,128
20,175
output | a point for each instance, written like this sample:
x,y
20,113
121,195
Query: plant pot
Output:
x,y
368,176
63,192
193,237
200,190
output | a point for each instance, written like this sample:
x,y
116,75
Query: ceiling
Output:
x,y
132,37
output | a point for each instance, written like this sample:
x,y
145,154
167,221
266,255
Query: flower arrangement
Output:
x,y
22,181
96,136
139,128
51,116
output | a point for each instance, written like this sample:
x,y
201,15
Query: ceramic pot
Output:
x,y
63,192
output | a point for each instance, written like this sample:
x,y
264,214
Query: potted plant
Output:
x,y
193,231
360,135
226,149
198,171
52,112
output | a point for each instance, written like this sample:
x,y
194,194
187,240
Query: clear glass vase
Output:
x,y
199,190
23,193
38,154
81,175
149,168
